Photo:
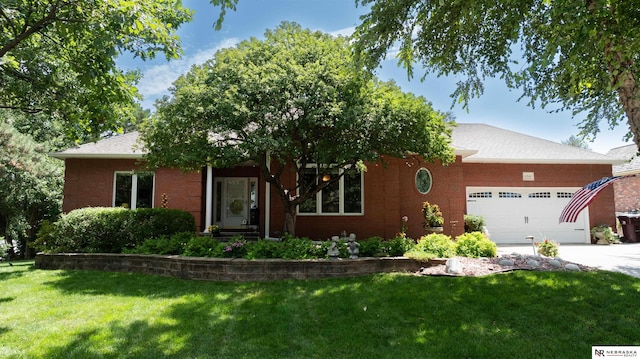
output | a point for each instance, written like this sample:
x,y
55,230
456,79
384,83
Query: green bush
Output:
x,y
203,246
264,249
165,245
475,245
547,248
372,247
419,255
473,223
398,246
304,248
437,244
112,230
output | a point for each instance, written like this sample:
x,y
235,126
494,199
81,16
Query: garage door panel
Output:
x,y
513,213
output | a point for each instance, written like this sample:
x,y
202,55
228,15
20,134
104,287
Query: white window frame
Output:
x,y
341,189
134,188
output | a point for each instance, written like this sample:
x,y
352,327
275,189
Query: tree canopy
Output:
x,y
581,56
57,57
293,99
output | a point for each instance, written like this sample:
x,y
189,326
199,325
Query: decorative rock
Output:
x,y
533,263
506,263
555,263
572,267
454,266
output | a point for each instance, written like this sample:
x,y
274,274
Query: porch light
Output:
x,y
326,178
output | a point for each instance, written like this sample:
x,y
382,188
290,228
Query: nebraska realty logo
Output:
x,y
601,351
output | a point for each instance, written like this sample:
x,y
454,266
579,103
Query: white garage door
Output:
x,y
513,213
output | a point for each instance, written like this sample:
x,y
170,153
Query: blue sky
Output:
x,y
498,106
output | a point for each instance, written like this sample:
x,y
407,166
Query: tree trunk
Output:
x,y
629,95
290,220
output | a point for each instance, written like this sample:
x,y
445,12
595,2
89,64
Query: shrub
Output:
x,y
372,247
473,223
547,248
263,249
398,246
419,255
304,248
437,244
475,245
165,245
203,246
112,230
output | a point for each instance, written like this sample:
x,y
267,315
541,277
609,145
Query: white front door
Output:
x,y
513,213
235,199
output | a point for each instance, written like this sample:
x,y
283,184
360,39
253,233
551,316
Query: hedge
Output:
x,y
111,230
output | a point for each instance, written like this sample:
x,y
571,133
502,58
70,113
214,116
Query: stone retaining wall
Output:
x,y
226,269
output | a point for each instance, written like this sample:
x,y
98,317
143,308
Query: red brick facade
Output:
x,y
627,194
389,193
89,183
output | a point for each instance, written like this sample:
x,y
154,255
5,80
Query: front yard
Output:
x,y
87,314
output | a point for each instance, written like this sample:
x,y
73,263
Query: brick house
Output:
x,y
519,183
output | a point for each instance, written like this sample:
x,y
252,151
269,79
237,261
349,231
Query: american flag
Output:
x,y
583,197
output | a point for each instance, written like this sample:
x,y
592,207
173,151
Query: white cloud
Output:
x,y
157,79
347,31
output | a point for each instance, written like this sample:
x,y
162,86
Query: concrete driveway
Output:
x,y
623,258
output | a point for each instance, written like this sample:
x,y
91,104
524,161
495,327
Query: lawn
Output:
x,y
87,314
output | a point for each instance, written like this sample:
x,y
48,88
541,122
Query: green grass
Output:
x,y
86,314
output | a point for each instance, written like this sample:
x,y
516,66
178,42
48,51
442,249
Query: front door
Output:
x,y
234,197
236,211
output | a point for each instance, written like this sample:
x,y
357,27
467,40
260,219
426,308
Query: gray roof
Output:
x,y
629,154
119,146
497,145
477,143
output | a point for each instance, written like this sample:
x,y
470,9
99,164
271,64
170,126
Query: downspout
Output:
x,y
208,200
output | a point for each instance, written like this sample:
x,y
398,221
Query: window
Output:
x,y
481,195
540,195
133,190
341,197
509,195
423,180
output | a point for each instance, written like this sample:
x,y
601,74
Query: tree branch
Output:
x,y
38,26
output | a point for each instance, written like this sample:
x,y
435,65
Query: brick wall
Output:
x,y
389,194
627,194
89,183
225,269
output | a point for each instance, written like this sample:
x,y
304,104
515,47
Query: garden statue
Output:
x,y
353,247
333,252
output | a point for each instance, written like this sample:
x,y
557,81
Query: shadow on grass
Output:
x,y
520,314
15,269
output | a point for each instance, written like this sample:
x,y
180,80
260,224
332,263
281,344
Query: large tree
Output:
x,y
294,99
582,56
57,57
31,187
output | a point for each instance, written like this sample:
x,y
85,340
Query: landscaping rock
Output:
x,y
533,263
556,263
572,267
506,262
454,266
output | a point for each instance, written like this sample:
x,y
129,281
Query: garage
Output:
x,y
513,213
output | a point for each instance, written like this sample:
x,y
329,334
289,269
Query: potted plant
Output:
x,y
603,234
433,219
214,230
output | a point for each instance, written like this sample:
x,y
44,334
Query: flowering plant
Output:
x,y
403,227
214,228
235,249
432,215
547,248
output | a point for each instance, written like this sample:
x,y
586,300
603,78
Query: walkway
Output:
x,y
623,258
